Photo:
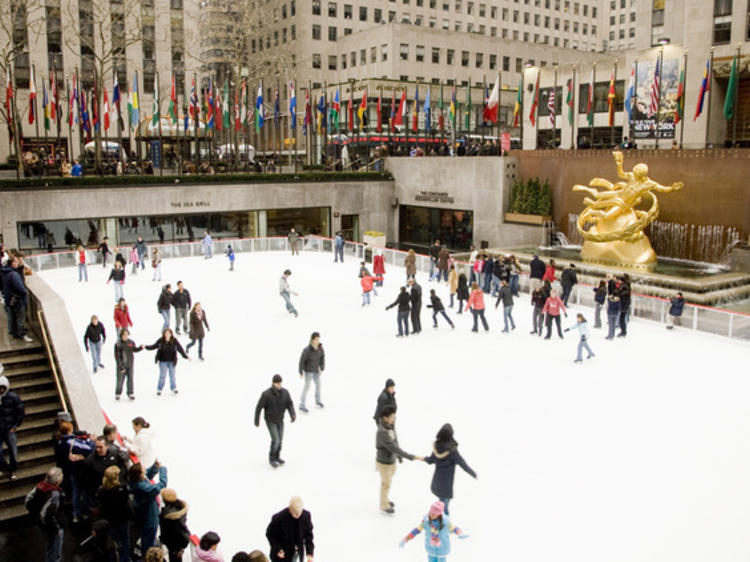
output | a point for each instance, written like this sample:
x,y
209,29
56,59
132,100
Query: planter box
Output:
x,y
526,219
377,241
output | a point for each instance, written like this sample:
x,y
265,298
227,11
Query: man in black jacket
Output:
x,y
416,305
181,302
290,533
93,467
536,272
275,401
403,303
387,398
434,253
11,416
568,279
312,363
164,305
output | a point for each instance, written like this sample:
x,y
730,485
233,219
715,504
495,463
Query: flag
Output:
x,y
535,103
485,102
517,107
133,111
590,101
401,112
679,110
194,109
83,106
210,118
237,121
72,101
441,110
362,109
95,109
173,102
322,112
308,113
53,96
260,113
393,111
106,110
292,106
379,122
276,107
552,107
243,104
350,115
705,86
226,106
653,107
730,102
415,118
630,94
32,97
185,109
116,99
335,111
611,95
453,107
427,109
155,109
569,102
468,106
218,114
8,96
490,110
45,107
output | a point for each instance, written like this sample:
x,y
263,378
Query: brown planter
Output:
x,y
526,219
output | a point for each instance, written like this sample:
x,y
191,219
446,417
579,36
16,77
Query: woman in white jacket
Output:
x,y
142,444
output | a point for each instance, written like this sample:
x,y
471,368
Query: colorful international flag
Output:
x,y
705,87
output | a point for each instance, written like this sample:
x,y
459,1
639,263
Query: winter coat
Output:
x,y
104,249
181,299
554,306
230,254
600,294
13,286
583,329
568,277
410,262
478,266
386,399
624,293
677,304
167,350
476,300
286,533
122,317
81,259
94,333
200,555
367,282
415,294
549,274
145,507
11,408
312,360
436,304
92,470
196,325
536,268
114,504
165,301
443,257
283,285
155,258
611,287
45,503
338,241
445,458
116,275
453,282
293,237
403,300
275,402
386,445
504,295
140,245
175,534
538,299
124,354
437,533
613,307
435,251
134,258
142,446
378,265
462,292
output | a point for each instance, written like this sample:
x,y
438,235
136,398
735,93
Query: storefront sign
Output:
x,y
434,197
188,204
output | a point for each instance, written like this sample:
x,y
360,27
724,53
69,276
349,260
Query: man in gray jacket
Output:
x,y
388,450
312,363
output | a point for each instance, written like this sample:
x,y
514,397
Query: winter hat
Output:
x,y
276,378
169,495
389,383
4,382
437,508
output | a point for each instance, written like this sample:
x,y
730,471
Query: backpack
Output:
x,y
34,503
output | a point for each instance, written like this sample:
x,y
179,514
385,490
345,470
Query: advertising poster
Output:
x,y
646,103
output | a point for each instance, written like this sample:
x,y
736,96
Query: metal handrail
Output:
x,y
43,328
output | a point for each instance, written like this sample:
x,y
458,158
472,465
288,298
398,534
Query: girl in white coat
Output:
x,y
142,444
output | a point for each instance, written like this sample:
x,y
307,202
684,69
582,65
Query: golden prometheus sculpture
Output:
x,y
611,225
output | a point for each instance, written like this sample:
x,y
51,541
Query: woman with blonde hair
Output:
x,y
476,304
410,262
197,321
114,505
156,264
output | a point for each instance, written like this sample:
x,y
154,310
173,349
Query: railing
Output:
x,y
52,360
734,325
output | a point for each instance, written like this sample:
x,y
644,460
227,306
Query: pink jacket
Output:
x,y
553,306
476,300
133,256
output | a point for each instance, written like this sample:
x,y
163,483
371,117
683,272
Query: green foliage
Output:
x,y
531,197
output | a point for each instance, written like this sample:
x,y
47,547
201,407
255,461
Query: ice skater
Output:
x,y
613,313
117,275
452,284
415,293
181,301
366,282
437,527
124,349
600,297
164,305
122,317
197,322
285,291
537,302
81,261
93,340
386,399
167,347
378,266
583,329
290,534
338,248
438,308
388,451
156,264
230,256
208,246
505,295
462,291
312,363
274,402
410,263
445,457
134,260
676,306
293,238
476,305
404,306
552,308
103,250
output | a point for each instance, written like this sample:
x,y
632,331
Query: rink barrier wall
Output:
x,y
712,320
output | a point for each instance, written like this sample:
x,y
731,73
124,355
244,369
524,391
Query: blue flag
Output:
x,y
292,105
427,110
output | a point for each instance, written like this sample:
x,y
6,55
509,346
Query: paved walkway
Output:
x,y
8,343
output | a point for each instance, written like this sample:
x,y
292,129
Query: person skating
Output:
x,y
537,301
443,260
403,301
230,255
505,296
156,262
141,247
338,248
386,399
174,532
312,363
167,347
197,322
293,238
624,293
181,301
117,276
434,252
11,417
438,528
437,308
134,260
410,264
104,251
613,314
568,279
208,548
600,298
274,401
366,281
378,266
583,329
82,266
445,457
290,533
387,452
515,273
122,317
552,308
476,305
208,246
549,272
462,291
164,305
676,306
536,272
93,339
124,349
415,294
285,291
452,284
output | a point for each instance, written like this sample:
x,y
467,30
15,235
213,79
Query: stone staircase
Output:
x,y
30,376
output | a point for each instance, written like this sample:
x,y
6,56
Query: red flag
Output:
x,y
532,113
105,105
350,115
53,96
611,99
399,118
8,95
32,98
237,123
378,124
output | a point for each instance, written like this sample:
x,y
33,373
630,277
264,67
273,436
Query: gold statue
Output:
x,y
616,228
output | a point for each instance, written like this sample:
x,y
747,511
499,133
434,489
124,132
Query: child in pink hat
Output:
x,y
438,527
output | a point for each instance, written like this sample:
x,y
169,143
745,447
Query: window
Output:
x,y
293,30
436,55
331,9
722,21
316,8
493,62
362,57
420,53
362,13
747,32
479,60
433,4
377,15
515,16
526,18
536,19
493,31
482,10
391,15
353,59
450,55
446,24
632,16
343,62
316,60
418,19
505,14
457,26
283,11
347,11
470,8
292,8
469,27
384,52
373,55
332,60
403,51
506,64
519,65
458,6
332,33
446,6
433,23
283,35
347,31
464,58
622,19
316,32
275,38
631,32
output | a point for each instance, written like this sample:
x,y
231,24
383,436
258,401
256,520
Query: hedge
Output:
x,y
531,197
140,181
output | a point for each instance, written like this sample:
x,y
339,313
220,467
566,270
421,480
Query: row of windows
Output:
x,y
257,45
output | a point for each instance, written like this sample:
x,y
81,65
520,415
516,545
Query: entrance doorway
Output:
x,y
350,227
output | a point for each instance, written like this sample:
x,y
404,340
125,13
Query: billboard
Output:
x,y
646,104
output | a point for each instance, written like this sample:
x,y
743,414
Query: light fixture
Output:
x,y
664,41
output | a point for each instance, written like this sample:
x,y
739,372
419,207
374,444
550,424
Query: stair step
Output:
x,y
32,383
25,474
39,396
40,437
13,512
26,372
25,354
35,455
47,411
38,424
21,359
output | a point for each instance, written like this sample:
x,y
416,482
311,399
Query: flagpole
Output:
x,y
484,105
658,111
681,108
572,109
612,124
106,130
521,110
70,126
536,110
736,100
36,103
708,101
196,110
554,110
593,105
46,124
634,103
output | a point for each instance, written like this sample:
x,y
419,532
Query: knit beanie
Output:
x,y
437,509
169,495
389,383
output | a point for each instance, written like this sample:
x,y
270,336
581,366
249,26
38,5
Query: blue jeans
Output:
x,y
54,547
612,322
435,314
148,539
96,353
479,314
124,376
338,253
566,290
16,318
514,284
433,265
10,440
277,435
581,345
166,316
121,535
208,250
118,291
141,260
164,368
82,272
446,502
200,347
288,302
436,558
508,315
403,322
366,298
311,376
495,285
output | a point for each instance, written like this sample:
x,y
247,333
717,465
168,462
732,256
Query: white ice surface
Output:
x,y
641,454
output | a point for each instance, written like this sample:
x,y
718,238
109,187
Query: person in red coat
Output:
x,y
378,267
122,317
549,272
552,309
367,283
476,304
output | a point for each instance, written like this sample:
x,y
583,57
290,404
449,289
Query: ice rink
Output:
x,y
641,454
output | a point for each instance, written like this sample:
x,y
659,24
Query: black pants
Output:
x,y
624,315
549,325
416,323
